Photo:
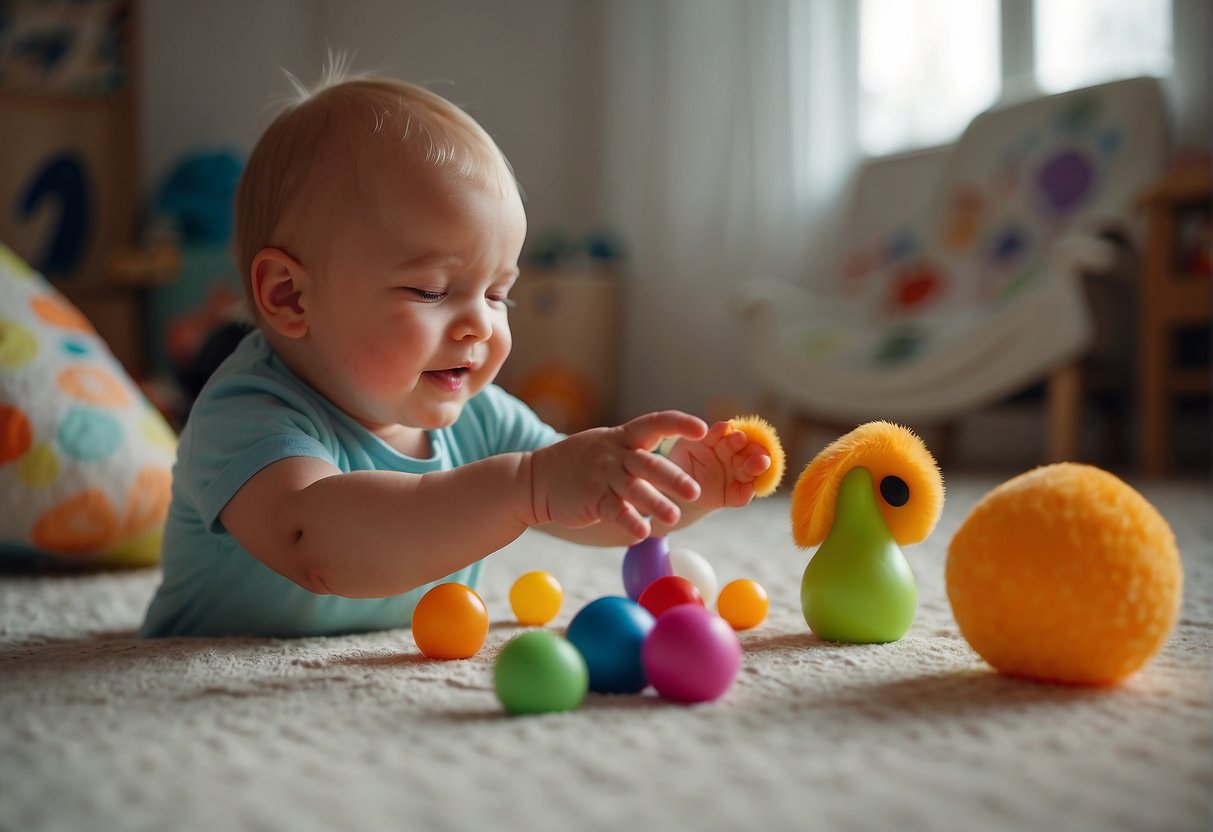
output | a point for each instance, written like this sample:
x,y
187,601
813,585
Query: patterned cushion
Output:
x,y
85,461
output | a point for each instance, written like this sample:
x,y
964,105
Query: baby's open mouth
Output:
x,y
451,379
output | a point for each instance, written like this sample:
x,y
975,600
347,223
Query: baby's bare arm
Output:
x,y
371,534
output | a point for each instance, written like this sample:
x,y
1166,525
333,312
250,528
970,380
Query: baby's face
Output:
x,y
408,320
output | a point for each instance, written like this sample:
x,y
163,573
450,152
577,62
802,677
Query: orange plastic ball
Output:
x,y
743,603
1065,574
536,598
450,622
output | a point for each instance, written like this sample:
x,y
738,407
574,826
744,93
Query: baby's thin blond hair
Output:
x,y
346,107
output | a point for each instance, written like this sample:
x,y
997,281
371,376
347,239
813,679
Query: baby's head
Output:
x,y
378,229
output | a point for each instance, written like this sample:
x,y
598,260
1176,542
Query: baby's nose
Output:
x,y
474,322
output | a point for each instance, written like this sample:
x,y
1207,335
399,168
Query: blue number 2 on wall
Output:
x,y
63,177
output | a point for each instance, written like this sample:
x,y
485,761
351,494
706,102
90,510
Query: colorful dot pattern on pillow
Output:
x,y
85,461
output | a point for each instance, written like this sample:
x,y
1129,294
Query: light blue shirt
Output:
x,y
252,413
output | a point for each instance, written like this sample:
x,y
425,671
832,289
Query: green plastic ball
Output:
x,y
540,672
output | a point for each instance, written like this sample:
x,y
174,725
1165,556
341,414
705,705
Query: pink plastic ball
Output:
x,y
691,654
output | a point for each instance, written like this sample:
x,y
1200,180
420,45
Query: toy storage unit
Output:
x,y
68,154
1176,307
565,360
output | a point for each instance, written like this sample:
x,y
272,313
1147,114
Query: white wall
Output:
x,y
1191,84
209,71
526,69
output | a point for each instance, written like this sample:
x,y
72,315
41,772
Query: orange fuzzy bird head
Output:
x,y
905,478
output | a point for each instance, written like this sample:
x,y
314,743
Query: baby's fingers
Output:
x,y
614,509
645,432
757,463
717,432
664,475
739,494
648,500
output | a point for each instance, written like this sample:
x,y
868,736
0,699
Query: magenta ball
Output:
x,y
644,563
691,654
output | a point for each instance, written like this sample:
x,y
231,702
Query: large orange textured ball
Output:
x,y
1065,574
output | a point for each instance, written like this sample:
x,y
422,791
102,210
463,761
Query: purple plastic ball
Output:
x,y
644,563
691,654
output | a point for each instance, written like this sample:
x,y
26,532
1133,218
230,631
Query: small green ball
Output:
x,y
540,672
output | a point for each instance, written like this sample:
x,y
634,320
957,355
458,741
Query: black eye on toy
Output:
x,y
895,491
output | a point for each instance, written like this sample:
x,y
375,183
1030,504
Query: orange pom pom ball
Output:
x,y
450,622
1065,574
761,432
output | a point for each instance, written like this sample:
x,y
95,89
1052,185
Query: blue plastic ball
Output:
x,y
609,633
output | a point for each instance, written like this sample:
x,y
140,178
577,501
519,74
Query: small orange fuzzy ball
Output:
x,y
1065,574
761,432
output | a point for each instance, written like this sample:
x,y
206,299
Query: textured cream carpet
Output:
x,y
101,731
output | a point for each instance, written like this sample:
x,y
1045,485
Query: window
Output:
x,y
1082,42
927,67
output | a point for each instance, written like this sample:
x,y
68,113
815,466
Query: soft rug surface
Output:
x,y
102,731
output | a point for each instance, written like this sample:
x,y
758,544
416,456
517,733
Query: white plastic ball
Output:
x,y
693,566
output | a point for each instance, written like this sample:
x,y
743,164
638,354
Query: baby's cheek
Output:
x,y
377,371
502,343
498,350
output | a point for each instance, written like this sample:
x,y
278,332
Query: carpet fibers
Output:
x,y
102,731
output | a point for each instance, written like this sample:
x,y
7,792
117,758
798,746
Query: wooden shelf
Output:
x,y
1186,300
1193,382
1170,301
1187,184
93,135
67,100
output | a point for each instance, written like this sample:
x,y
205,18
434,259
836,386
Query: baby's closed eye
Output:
x,y
427,295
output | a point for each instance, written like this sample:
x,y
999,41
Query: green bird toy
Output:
x,y
863,497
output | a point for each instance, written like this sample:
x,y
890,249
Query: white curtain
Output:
x,y
729,132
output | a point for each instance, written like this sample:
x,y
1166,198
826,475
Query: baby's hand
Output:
x,y
609,474
725,463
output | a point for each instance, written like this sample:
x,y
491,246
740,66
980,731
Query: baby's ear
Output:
x,y
279,287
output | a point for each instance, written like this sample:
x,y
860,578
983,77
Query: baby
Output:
x,y
353,450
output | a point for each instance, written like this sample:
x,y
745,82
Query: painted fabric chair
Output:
x,y
979,295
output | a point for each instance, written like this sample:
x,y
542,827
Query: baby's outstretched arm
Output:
x,y
371,534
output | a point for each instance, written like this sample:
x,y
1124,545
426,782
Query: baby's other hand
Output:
x,y
725,463
610,475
